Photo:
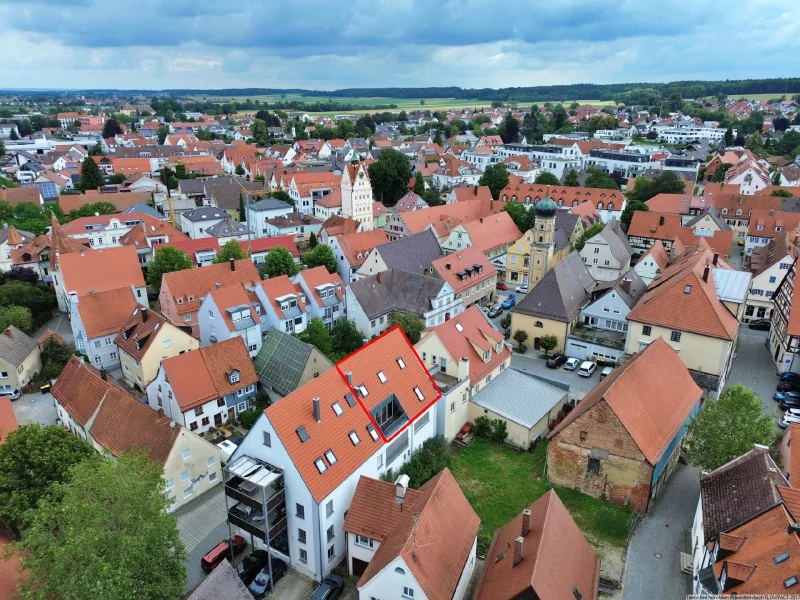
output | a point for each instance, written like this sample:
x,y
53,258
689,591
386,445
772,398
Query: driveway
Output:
x,y
753,367
35,408
58,323
653,569
578,386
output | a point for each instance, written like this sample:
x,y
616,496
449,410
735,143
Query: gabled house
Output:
x,y
492,235
784,333
20,360
652,263
299,225
285,363
258,213
96,318
412,254
765,225
202,251
317,442
325,293
469,273
540,553
144,341
769,265
631,455
608,254
99,411
351,250
284,303
229,312
420,542
196,223
647,228
205,388
12,239
259,249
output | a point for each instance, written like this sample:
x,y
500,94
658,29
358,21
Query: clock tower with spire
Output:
x,y
543,245
357,194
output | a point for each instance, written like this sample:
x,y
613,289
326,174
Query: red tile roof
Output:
x,y
120,200
104,313
319,276
448,268
374,511
443,218
720,241
556,558
479,192
120,268
767,223
658,253
278,287
8,420
356,246
230,296
652,395
191,246
654,225
676,204
488,233
198,282
266,244
136,334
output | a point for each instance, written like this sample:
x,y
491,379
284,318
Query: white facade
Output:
x,y
196,228
684,135
600,261
257,217
106,236
750,181
329,314
762,287
357,196
287,324
213,327
102,351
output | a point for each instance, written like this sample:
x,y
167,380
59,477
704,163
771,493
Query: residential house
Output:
x,y
317,442
352,249
145,236
737,208
540,553
765,225
300,225
652,263
96,318
183,291
228,229
784,333
144,341
384,528
647,228
750,175
492,235
604,328
553,306
20,360
372,300
205,388
99,411
201,251
229,312
325,294
453,172
12,239
305,188
41,254
608,254
195,223
336,225
631,455
470,274
286,363
769,265
608,203
259,249
284,303
439,218
412,254
690,306
710,226
258,213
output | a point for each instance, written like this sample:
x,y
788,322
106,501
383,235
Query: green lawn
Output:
x,y
499,483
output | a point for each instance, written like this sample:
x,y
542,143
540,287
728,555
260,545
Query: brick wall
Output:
x,y
624,473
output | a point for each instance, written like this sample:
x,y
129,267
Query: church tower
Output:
x,y
543,244
357,194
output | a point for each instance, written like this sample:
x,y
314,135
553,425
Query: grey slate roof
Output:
x,y
15,346
227,228
281,361
269,204
617,241
223,582
790,204
566,220
637,288
711,212
26,236
141,207
395,290
192,186
519,397
204,213
561,293
413,254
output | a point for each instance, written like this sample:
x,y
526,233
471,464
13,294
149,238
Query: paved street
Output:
x,y
35,408
653,569
60,324
753,367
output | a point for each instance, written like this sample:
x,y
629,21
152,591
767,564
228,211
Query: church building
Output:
x,y
356,192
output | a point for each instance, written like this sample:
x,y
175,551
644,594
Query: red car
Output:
x,y
501,286
226,548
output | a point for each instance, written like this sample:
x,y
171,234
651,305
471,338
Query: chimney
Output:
x,y
380,278
481,219
400,488
9,333
317,415
716,258
793,528
103,374
661,220
626,285
517,550
144,315
706,270
475,190
526,522
349,376
233,264
447,265
463,368
217,285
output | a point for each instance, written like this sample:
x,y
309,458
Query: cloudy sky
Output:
x,y
329,44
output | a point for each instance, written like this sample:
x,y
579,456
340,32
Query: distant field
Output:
x,y
757,96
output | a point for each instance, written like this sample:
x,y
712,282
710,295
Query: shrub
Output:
x,y
248,418
423,464
491,429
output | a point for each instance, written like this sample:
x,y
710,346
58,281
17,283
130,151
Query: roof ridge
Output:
x,y
549,495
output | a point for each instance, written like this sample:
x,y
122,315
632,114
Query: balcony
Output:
x,y
256,500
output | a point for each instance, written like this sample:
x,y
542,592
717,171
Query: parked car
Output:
x,y
510,301
605,372
789,417
556,361
261,583
571,364
495,311
501,286
783,396
12,394
587,368
760,324
330,588
251,565
788,403
788,386
225,549
789,376
523,289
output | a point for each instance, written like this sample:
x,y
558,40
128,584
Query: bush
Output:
x,y
248,418
491,429
423,464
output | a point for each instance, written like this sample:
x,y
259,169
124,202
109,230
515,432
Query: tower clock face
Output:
x,y
361,175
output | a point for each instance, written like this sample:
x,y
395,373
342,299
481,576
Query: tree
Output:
x,y
559,118
105,534
422,102
505,322
321,255
729,136
18,316
755,142
2,147
545,178
389,176
776,177
111,128
242,211
34,298
55,355
510,129
520,335
728,427
180,171
522,216
162,133
346,338
231,249
548,343
666,183
719,174
14,135
571,180
117,178
496,178
419,185
96,150
412,325
312,240
779,193
631,206
588,234
23,274
32,459
317,334
278,262
91,176
239,170
259,130
432,197
780,123
600,179
166,260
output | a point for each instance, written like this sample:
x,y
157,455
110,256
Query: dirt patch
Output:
x,y
10,571
612,562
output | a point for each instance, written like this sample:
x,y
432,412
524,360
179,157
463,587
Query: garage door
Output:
x,y
359,566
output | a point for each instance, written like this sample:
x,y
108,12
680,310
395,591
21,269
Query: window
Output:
x,y
198,411
772,279
187,454
372,432
187,493
594,466
382,377
220,402
205,421
187,317
185,476
166,343
210,461
303,556
240,392
331,553
329,509
675,336
354,438
781,557
213,477
331,457
241,407
452,407
687,289
97,344
380,460
337,408
364,541
320,464
419,393
301,536
408,592
300,511
170,484
330,533
362,389
647,330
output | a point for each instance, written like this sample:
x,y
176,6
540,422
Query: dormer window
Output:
x,y
362,389
331,457
354,438
337,408
419,393
233,377
180,300
400,362
382,377
320,464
